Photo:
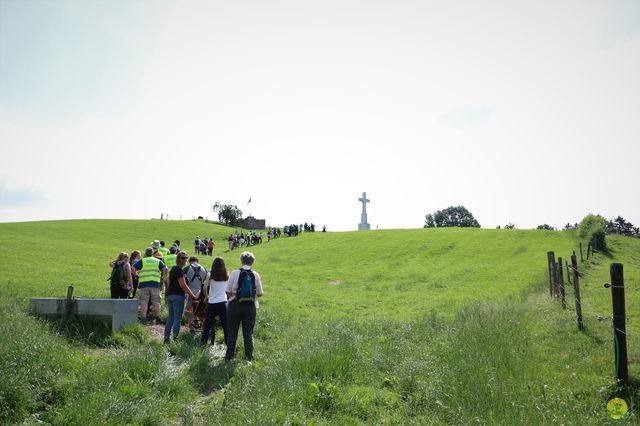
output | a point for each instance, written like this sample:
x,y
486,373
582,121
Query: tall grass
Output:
x,y
61,380
488,365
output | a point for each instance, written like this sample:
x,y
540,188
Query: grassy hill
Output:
x,y
406,326
313,274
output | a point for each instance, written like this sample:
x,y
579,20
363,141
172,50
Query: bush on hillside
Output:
x,y
510,225
545,227
457,216
593,227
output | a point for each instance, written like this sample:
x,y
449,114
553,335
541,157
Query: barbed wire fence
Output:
x,y
570,293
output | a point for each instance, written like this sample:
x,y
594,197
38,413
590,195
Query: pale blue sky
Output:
x,y
502,106
60,60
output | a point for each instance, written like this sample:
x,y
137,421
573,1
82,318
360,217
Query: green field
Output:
x,y
425,326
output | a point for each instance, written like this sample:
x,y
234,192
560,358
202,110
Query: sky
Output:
x,y
525,112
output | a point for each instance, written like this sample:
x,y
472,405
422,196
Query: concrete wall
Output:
x,y
120,312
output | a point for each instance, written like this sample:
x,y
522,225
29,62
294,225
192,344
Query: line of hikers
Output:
x,y
240,240
294,230
204,247
231,297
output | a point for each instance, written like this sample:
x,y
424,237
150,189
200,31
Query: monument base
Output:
x,y
364,227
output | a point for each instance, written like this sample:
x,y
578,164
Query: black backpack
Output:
x,y
118,277
196,274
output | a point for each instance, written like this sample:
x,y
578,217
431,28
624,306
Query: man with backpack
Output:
x,y
195,274
243,289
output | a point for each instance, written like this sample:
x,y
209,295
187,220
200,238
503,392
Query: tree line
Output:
x,y
591,225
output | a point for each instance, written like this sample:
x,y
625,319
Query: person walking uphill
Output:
x,y
176,290
215,286
121,280
149,276
243,289
171,259
196,275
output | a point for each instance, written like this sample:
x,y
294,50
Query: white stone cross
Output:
x,y
363,225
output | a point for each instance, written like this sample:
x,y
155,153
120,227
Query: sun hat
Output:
x,y
155,244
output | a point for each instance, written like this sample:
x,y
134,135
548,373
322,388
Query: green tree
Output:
x,y
594,227
228,214
619,225
457,216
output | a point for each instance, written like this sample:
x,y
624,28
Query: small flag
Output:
x,y
249,201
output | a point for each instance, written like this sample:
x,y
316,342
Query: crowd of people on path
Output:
x,y
252,238
229,297
188,288
204,247
294,230
240,240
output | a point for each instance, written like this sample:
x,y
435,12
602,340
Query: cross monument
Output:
x,y
363,225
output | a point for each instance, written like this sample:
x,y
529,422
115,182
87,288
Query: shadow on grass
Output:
x,y
95,333
80,331
206,372
607,252
209,376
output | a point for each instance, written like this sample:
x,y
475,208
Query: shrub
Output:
x,y
593,227
545,227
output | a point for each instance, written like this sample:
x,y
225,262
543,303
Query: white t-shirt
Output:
x,y
217,291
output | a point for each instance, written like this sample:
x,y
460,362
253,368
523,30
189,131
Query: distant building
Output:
x,y
251,222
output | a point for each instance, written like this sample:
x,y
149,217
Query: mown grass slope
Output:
x,y
407,326
382,274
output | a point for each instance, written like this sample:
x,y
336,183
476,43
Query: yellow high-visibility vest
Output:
x,y
171,260
150,271
164,251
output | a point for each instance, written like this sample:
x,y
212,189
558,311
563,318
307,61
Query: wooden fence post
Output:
x,y
69,301
619,323
588,249
576,291
561,283
581,257
566,262
551,260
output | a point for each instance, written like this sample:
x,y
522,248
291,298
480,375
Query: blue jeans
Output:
x,y
175,303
